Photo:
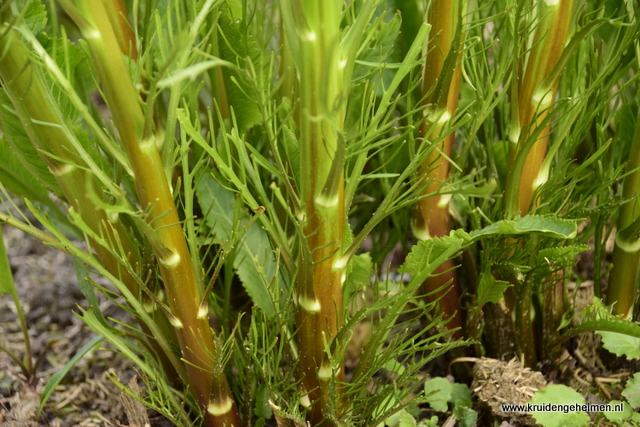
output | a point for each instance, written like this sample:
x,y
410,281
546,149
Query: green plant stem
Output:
x,y
532,97
314,38
432,215
535,99
58,147
8,285
623,281
117,14
196,339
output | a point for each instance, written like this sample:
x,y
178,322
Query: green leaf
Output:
x,y
359,276
387,404
406,420
254,260
624,415
292,148
438,392
430,422
461,399
22,147
377,53
411,21
427,255
621,344
559,395
58,376
466,416
553,259
550,226
598,317
88,290
261,404
460,395
17,179
562,256
236,46
7,284
35,16
632,391
490,289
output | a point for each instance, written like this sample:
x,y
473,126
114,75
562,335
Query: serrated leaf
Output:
x,y
550,226
427,255
490,289
17,179
361,268
377,53
236,45
559,395
35,16
632,391
261,406
21,145
621,344
438,393
254,255
58,376
562,255
598,317
553,259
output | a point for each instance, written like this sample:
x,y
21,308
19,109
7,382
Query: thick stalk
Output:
x,y
432,216
532,103
534,100
49,133
319,285
195,336
623,281
117,14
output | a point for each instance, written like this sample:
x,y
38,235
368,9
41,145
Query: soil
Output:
x,y
45,279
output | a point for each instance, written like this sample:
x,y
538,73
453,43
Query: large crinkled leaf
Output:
x,y
254,260
621,344
429,254
437,393
531,224
559,395
598,317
